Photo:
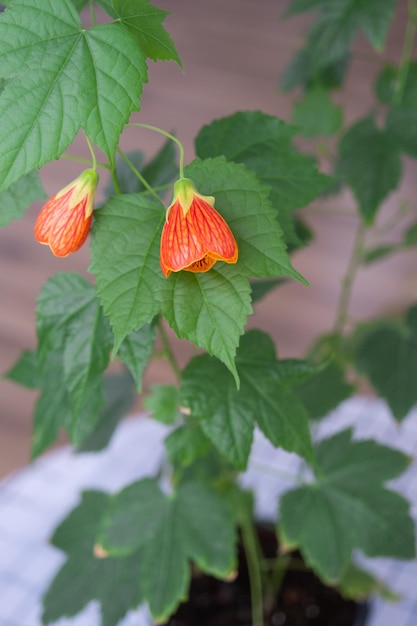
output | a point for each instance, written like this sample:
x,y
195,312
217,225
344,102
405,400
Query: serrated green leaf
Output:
x,y
402,128
194,523
324,391
316,114
186,444
15,200
228,416
56,66
125,258
260,288
209,309
244,203
85,577
144,21
80,4
388,357
163,403
25,371
119,392
389,90
301,72
135,351
263,144
350,488
107,6
359,585
370,163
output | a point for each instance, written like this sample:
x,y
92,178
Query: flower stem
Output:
x,y
407,51
255,580
168,136
139,175
167,349
349,279
72,157
93,156
115,181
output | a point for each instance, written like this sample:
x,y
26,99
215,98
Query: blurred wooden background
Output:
x,y
234,52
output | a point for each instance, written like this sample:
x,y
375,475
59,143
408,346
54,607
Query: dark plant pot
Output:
x,y
302,599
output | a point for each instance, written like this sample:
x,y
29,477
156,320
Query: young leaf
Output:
x,y
85,577
25,371
324,391
125,259
388,90
163,403
351,487
144,21
186,444
388,356
370,163
359,585
170,531
300,72
316,114
136,350
56,65
228,416
15,200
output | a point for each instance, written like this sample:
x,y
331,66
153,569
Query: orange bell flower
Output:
x,y
64,221
194,235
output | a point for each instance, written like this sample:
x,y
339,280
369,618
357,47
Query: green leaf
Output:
x,y
387,355
15,200
400,88
163,403
227,416
350,487
324,391
210,309
260,288
61,75
144,21
119,392
370,163
359,585
316,114
410,235
70,319
337,24
402,129
300,72
125,259
379,252
135,351
170,531
186,444
85,577
264,144
25,371
244,203
80,4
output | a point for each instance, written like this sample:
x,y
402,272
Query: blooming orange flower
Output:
x,y
64,221
195,235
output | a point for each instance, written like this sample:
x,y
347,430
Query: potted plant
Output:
x,y
195,246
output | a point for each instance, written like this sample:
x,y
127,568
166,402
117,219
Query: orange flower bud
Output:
x,y
195,235
64,221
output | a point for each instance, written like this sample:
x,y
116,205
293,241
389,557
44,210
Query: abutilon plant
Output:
x,y
194,235
65,220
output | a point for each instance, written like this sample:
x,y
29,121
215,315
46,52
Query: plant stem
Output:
x,y
139,175
167,349
115,181
72,157
349,279
168,136
407,51
93,156
254,570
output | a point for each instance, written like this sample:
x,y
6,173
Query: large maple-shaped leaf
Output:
x,y
144,21
70,319
15,200
62,75
324,390
338,22
387,354
264,144
85,577
194,523
370,162
228,416
348,507
125,259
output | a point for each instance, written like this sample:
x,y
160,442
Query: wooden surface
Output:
x,y
233,53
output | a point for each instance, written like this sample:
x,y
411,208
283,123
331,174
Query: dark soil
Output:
x,y
302,600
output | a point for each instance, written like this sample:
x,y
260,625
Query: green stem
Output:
x,y
93,156
167,349
92,13
255,580
407,51
139,175
168,136
115,181
349,279
72,157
